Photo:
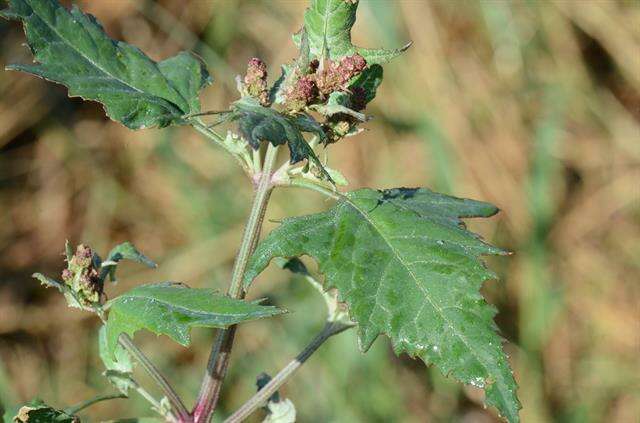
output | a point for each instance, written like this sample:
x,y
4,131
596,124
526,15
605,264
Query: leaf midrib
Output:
x,y
180,307
74,48
421,288
325,22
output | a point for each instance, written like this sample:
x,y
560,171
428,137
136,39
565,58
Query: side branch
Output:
x,y
261,397
176,403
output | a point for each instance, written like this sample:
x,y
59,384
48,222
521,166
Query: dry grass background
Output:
x,y
532,105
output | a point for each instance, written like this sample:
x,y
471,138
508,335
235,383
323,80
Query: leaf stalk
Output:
x,y
88,403
176,403
199,126
261,397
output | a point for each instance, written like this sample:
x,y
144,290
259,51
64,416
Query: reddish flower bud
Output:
x,y
82,257
354,64
255,80
349,67
256,69
303,92
67,275
336,75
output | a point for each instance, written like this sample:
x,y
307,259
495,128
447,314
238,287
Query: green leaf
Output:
x,y
124,251
294,265
50,283
381,55
119,366
342,102
38,412
407,267
369,80
72,49
257,123
328,26
338,102
173,309
69,295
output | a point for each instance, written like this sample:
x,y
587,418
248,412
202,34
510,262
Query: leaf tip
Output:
x,y
508,253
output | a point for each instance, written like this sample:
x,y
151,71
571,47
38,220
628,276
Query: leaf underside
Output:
x,y
328,24
257,123
173,309
72,49
119,366
124,251
407,267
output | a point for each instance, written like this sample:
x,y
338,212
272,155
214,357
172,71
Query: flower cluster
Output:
x,y
82,277
320,80
255,81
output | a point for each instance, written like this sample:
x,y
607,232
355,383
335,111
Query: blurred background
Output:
x,y
533,106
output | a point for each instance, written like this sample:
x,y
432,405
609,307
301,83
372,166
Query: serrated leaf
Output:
x,y
69,295
381,55
124,251
119,366
173,309
257,123
328,26
407,268
49,283
38,412
72,49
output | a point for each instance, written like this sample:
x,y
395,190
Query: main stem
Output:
x,y
221,349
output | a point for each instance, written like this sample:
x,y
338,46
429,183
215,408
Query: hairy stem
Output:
x,y
221,349
88,403
176,403
261,397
